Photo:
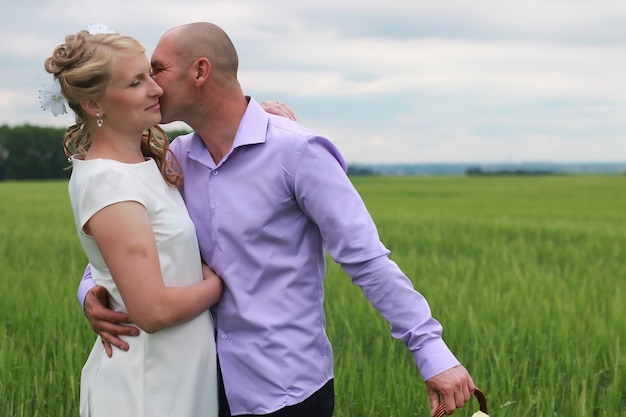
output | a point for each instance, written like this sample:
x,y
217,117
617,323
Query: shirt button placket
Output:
x,y
213,203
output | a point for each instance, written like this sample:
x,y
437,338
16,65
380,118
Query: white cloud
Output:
x,y
394,81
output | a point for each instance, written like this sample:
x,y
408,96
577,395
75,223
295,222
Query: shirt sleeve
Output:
x,y
328,197
85,285
407,312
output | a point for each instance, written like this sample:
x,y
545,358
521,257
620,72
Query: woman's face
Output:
x,y
131,101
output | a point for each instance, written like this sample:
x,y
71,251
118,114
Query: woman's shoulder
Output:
x,y
105,173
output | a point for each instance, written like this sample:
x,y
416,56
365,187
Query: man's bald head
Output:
x,y
205,40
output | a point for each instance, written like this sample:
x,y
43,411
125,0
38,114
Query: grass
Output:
x,y
526,275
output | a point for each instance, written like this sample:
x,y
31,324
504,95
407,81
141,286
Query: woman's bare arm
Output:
x,y
124,235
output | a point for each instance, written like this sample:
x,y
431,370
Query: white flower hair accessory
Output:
x,y
98,28
51,98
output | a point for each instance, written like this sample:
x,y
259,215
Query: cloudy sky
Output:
x,y
394,81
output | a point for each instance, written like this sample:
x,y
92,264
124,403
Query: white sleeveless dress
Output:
x,y
170,373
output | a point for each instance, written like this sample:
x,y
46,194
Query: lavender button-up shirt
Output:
x,y
265,216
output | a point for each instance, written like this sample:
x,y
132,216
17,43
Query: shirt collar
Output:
x,y
251,131
253,125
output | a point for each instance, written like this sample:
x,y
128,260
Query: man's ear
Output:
x,y
202,70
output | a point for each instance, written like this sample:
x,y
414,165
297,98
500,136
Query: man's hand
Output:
x,y
278,108
106,322
454,386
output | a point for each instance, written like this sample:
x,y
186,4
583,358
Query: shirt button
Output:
x,y
216,172
224,336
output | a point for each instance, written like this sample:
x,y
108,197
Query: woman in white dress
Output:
x,y
135,230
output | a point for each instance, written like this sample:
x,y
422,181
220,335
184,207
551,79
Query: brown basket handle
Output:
x,y
480,396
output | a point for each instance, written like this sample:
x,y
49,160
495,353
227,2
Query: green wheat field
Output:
x,y
527,275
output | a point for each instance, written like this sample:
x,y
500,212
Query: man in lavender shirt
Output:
x,y
269,198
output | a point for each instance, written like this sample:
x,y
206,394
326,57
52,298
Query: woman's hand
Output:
x,y
278,108
215,281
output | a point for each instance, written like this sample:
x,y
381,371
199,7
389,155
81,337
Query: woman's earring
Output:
x,y
99,120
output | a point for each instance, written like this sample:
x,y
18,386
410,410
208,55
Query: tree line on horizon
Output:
x,y
29,152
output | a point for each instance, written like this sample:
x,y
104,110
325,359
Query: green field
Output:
x,y
527,275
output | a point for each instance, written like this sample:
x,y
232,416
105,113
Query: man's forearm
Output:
x,y
407,312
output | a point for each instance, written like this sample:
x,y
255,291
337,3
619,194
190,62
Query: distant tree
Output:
x,y
31,152
473,171
478,172
360,171
172,134
4,151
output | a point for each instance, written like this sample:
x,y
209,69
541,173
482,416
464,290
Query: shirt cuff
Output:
x,y
85,285
434,358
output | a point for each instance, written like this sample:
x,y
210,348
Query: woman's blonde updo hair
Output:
x,y
83,67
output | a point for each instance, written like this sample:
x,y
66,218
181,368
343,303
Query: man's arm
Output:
x,y
350,236
104,321
447,381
